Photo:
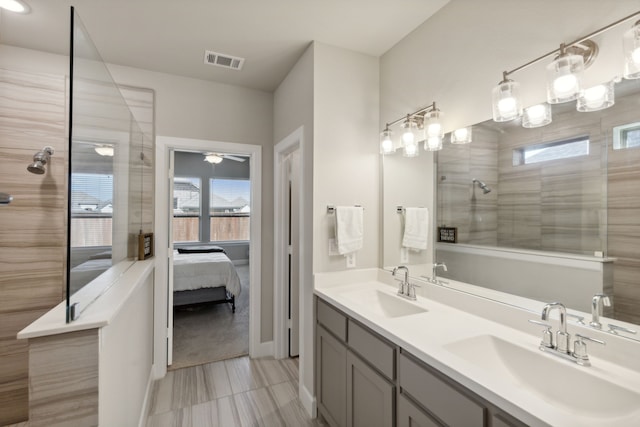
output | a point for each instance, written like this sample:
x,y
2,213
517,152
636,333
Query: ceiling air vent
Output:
x,y
223,60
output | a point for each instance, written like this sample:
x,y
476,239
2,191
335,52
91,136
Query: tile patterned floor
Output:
x,y
232,393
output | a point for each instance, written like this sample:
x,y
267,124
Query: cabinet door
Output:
x,y
410,415
331,376
370,398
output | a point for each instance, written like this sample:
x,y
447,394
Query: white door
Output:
x,y
170,262
294,252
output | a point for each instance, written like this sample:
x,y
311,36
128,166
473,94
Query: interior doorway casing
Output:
x,y
294,142
162,296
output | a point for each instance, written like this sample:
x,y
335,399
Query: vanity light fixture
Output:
x,y
433,130
421,125
596,98
104,150
461,136
17,6
631,43
409,139
386,143
564,78
536,116
506,100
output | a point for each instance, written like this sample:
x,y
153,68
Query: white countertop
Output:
x,y
113,289
431,335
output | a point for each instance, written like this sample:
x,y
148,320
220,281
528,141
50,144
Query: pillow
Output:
x,y
101,255
200,250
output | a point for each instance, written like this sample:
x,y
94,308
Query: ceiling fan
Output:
x,y
215,158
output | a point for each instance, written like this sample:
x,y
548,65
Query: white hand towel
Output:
x,y
416,228
349,228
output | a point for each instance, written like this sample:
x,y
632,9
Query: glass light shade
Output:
x,y
631,44
536,116
461,136
212,158
433,125
433,143
596,98
104,150
506,101
408,133
411,149
564,78
386,144
17,6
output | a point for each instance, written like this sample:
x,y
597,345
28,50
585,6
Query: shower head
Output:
x,y
39,160
485,188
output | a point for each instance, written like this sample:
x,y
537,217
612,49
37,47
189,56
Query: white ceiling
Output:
x,y
171,36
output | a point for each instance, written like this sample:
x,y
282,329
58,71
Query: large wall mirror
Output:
x,y
526,204
110,176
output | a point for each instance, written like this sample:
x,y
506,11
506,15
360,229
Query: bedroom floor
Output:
x,y
211,332
235,392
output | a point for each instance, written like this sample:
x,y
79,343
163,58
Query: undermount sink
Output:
x,y
552,379
383,304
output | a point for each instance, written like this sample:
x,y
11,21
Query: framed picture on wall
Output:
x,y
145,245
448,234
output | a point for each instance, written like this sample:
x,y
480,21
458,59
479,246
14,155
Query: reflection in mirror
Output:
x,y
110,175
546,213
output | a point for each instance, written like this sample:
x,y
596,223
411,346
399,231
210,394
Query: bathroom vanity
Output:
x,y
382,360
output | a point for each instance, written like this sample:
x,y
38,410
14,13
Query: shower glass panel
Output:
x,y
110,175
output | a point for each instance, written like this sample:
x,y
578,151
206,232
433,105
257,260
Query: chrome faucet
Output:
x,y
562,342
405,289
403,283
562,337
598,301
433,271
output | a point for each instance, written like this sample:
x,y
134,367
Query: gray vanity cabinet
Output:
x,y
331,377
409,415
364,380
331,364
443,401
355,372
370,397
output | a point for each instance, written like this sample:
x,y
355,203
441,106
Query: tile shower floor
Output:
x,y
235,392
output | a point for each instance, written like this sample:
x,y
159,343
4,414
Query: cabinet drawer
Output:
x,y
410,415
333,321
437,396
377,352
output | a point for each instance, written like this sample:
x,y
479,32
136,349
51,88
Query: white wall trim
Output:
x,y
144,414
282,149
308,401
163,145
263,349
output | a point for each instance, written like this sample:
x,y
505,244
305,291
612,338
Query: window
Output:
x,y
551,151
229,209
626,136
91,209
186,209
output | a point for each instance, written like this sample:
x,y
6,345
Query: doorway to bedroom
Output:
x,y
211,239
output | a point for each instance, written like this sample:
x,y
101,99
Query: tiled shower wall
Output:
x,y
579,205
33,226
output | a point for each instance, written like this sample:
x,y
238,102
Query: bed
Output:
x,y
200,277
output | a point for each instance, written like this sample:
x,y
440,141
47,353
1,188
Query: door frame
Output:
x,y
288,145
161,295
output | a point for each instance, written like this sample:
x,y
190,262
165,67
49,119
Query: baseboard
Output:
x,y
308,401
240,261
263,349
144,415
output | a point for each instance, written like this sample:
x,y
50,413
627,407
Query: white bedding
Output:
x,y
204,270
